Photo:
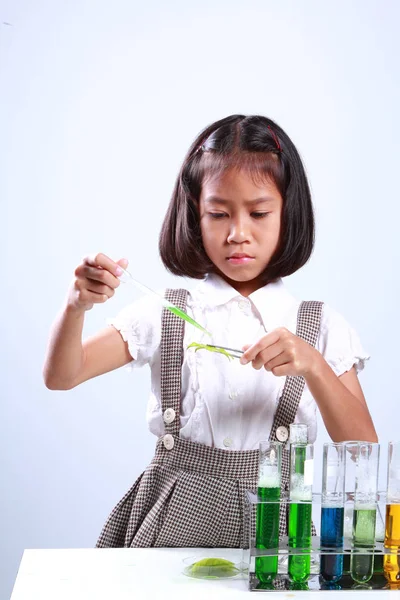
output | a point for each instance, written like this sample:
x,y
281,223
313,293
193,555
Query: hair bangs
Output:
x,y
260,166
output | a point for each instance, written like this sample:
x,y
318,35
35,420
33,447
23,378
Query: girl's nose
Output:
x,y
239,232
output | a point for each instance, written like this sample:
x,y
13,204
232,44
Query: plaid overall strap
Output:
x,y
172,332
308,324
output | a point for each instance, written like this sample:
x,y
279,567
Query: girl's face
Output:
x,y
240,227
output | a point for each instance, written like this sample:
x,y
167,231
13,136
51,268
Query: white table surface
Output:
x,y
135,573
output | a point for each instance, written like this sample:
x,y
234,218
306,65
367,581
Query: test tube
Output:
x,y
298,433
300,508
351,454
332,511
267,517
391,561
364,516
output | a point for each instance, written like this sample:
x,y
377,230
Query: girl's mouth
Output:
x,y
239,259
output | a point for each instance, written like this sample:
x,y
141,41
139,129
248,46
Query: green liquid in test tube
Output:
x,y
128,277
300,509
364,516
267,518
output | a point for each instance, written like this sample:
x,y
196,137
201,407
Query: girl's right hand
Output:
x,y
96,279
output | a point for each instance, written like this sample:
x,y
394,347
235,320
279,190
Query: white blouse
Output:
x,y
225,404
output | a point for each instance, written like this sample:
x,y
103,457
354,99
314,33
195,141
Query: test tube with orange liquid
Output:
x,y
391,562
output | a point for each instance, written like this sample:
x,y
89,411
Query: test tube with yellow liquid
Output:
x,y
391,561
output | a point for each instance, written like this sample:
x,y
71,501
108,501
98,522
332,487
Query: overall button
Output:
x,y
168,441
282,434
233,395
227,442
169,415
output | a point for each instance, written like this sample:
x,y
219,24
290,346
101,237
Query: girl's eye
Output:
x,y
259,215
255,215
217,215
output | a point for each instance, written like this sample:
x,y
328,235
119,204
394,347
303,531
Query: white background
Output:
x,y
99,102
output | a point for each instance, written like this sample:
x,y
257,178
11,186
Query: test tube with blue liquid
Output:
x,y
332,512
268,506
300,509
364,515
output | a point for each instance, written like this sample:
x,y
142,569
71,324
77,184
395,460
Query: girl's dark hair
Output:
x,y
259,146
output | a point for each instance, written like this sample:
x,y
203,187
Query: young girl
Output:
x,y
240,219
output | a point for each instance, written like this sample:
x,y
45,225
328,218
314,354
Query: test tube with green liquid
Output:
x,y
300,509
267,517
298,433
364,515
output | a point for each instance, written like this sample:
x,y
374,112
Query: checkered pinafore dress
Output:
x,y
192,495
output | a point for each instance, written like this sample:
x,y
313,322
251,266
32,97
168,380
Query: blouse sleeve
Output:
x,y
139,324
339,343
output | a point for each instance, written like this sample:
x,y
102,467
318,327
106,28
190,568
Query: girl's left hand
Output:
x,y
282,353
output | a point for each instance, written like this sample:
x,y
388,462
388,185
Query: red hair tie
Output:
x,y
275,138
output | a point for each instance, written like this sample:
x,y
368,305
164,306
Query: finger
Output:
x,y
282,370
265,342
264,355
98,274
123,262
277,361
86,297
98,298
104,262
267,355
86,287
98,288
272,352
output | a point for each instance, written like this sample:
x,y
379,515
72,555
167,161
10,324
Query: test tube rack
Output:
x,y
378,556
